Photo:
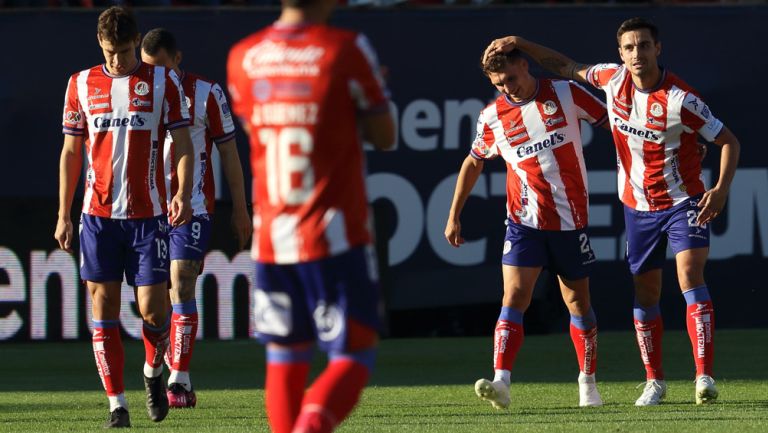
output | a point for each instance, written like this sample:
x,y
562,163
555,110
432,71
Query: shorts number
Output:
x,y
692,215
196,227
584,243
162,249
290,178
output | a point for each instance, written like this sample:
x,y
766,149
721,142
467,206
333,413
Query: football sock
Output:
x,y
182,341
584,337
507,339
335,392
110,359
649,329
155,344
700,320
287,372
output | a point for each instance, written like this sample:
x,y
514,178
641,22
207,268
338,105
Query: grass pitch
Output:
x,y
421,385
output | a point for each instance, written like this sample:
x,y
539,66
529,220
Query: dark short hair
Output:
x,y
157,39
117,25
637,23
498,62
300,4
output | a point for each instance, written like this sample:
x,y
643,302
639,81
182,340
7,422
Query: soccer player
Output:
x,y
305,91
211,123
534,126
655,118
121,111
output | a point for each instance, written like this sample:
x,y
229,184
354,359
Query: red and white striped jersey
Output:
x,y
211,122
124,120
655,132
302,89
540,141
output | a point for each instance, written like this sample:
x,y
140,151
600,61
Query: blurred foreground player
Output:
x,y
304,92
655,118
534,125
211,122
121,110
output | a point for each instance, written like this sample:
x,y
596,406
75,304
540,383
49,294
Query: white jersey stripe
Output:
x,y
120,148
285,239
90,174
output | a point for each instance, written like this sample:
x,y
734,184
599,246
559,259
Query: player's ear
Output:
x,y
177,58
658,47
137,40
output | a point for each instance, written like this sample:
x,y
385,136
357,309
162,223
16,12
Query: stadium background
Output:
x,y
437,90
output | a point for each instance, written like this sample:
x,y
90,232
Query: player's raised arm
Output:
x,y
713,201
470,171
70,165
548,58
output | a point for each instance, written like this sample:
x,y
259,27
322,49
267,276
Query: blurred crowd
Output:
x,y
354,3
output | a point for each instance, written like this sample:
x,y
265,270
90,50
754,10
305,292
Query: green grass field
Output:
x,y
421,385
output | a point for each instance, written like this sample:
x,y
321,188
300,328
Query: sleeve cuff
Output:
x,y
177,124
224,138
376,109
73,131
601,121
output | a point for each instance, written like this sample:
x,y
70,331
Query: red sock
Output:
x,y
109,354
585,343
649,335
700,320
507,339
182,339
155,344
284,390
332,396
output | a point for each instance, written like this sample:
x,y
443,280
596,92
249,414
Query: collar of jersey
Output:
x,y
521,103
110,75
657,86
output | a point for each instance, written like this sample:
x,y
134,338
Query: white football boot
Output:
x,y
655,390
706,392
588,394
496,392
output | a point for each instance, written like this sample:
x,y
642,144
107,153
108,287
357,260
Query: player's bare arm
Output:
x,y
548,58
471,169
233,171
181,208
70,165
379,130
713,201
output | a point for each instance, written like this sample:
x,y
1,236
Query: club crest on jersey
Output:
x,y
188,101
141,88
657,110
72,117
550,108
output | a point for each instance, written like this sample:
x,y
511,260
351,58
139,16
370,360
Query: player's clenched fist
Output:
x,y
453,233
63,234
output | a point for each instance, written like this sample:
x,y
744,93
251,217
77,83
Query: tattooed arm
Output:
x,y
550,59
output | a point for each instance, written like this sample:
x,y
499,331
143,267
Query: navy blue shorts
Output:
x,y
137,248
566,253
648,232
190,241
314,301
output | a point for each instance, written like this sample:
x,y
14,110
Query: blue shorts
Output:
x,y
648,232
565,253
314,301
137,247
190,241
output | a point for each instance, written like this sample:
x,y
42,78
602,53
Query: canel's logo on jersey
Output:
x,y
118,122
638,132
554,139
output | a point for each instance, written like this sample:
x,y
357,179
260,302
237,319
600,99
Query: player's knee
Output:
x,y
516,299
690,275
156,317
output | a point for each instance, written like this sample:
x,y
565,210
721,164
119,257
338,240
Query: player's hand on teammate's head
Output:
x,y
242,226
499,46
63,234
180,212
